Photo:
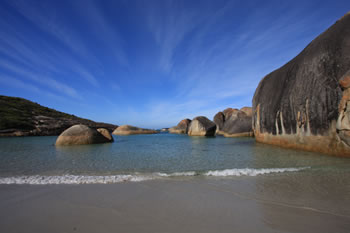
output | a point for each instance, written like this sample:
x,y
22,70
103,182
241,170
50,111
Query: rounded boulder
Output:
x,y
80,135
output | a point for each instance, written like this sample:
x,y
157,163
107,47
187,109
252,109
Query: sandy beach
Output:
x,y
242,204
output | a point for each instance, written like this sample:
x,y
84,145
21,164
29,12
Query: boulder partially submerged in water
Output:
x,y
234,123
80,135
201,126
181,128
302,104
128,130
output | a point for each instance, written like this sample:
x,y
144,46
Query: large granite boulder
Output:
x,y
80,135
201,126
181,128
234,123
302,104
128,130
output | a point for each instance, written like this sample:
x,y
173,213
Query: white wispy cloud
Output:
x,y
103,29
16,83
233,63
224,62
46,19
82,72
169,23
15,46
41,79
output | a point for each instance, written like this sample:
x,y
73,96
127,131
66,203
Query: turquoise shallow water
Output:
x,y
139,157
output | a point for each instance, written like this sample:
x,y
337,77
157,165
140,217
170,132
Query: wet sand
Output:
x,y
276,203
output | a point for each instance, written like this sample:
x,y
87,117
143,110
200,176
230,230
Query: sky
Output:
x,y
151,63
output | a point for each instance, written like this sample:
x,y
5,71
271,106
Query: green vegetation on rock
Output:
x,y
21,117
18,113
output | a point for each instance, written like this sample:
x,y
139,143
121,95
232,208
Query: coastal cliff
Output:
x,y
304,104
21,117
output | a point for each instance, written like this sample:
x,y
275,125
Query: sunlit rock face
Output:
x,y
181,128
105,133
343,122
304,104
129,130
234,123
201,126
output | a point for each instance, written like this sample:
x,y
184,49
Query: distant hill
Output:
x,y
21,117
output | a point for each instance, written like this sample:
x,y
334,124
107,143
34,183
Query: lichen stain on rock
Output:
x,y
343,122
334,142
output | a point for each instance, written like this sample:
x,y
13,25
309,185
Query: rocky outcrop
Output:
x,y
181,128
80,135
105,133
128,130
201,126
302,104
234,123
219,120
21,117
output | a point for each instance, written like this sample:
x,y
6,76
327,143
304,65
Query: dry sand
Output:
x,y
242,204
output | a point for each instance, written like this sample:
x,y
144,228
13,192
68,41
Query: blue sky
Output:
x,y
151,63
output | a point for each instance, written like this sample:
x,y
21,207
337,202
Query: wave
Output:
x,y
110,179
251,171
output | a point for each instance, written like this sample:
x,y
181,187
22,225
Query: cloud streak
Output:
x,y
16,83
169,24
45,19
43,80
103,29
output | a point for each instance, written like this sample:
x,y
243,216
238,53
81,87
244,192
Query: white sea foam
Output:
x,y
74,179
71,179
251,171
175,174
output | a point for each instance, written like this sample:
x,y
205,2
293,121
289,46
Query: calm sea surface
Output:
x,y
36,160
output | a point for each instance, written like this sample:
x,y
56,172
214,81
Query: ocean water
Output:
x,y
36,160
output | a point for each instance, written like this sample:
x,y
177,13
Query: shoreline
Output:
x,y
140,177
241,204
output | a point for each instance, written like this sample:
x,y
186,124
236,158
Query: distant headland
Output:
x,y
21,117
